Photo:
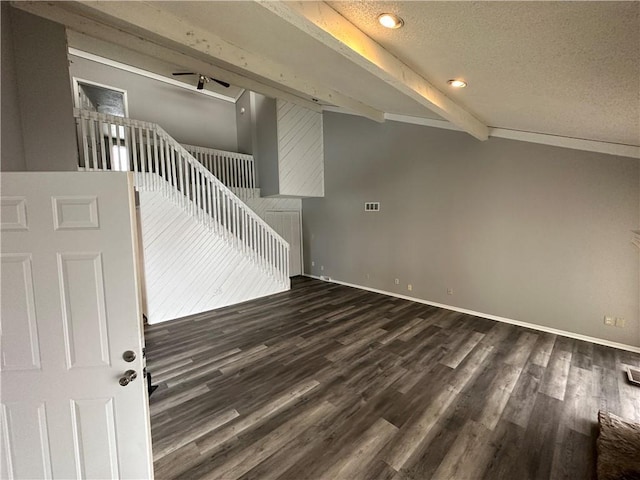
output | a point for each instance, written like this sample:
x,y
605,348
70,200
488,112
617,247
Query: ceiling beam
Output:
x,y
150,23
323,23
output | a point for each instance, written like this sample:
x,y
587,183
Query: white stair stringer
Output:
x,y
190,269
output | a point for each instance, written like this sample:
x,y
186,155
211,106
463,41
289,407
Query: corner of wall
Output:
x,y
12,157
48,126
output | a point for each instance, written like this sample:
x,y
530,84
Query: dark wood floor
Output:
x,y
330,382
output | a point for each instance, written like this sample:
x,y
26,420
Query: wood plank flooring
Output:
x,y
330,382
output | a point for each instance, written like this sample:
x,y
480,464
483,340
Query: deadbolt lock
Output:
x,y
129,356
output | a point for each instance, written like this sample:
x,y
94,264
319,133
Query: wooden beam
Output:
x,y
323,23
76,22
150,23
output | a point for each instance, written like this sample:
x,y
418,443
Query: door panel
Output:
x,y
94,433
24,429
70,309
84,315
20,343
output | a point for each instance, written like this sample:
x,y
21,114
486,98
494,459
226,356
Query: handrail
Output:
x,y
160,163
236,170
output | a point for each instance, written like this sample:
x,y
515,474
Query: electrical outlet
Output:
x,y
449,291
410,287
368,276
609,320
313,264
397,281
620,322
321,267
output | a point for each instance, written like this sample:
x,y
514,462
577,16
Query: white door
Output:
x,y
70,310
287,224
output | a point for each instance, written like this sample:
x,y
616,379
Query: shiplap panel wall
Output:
x,y
300,150
188,269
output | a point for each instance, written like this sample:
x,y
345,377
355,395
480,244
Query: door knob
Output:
x,y
128,377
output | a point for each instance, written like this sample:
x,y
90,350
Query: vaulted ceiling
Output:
x,y
569,69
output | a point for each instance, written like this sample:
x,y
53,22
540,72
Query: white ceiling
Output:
x,y
562,68
259,31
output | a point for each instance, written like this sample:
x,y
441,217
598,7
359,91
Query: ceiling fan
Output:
x,y
202,79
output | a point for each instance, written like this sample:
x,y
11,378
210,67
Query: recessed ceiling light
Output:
x,y
457,83
389,20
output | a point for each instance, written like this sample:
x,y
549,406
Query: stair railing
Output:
x,y
235,170
160,163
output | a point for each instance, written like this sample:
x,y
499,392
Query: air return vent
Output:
x,y
372,206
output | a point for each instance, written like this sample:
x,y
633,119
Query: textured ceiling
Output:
x,y
562,68
570,69
249,25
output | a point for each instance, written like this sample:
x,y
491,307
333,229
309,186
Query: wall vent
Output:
x,y
372,206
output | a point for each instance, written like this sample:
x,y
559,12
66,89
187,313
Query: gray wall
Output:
x,y
44,93
529,232
266,151
244,124
12,148
187,116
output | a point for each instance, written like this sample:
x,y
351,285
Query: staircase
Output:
x,y
203,247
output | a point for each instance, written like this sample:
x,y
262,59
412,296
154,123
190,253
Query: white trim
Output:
x,y
568,142
138,71
427,122
531,137
532,326
619,149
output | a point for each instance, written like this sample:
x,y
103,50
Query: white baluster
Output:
x,y
127,146
94,143
252,173
149,168
141,149
245,233
217,207
236,170
156,161
200,193
242,173
110,144
134,150
209,216
174,175
103,146
83,129
163,165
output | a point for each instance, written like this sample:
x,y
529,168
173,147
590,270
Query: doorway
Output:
x,y
100,98
287,223
106,100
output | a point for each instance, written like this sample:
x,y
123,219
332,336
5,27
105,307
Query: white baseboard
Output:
x,y
532,326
